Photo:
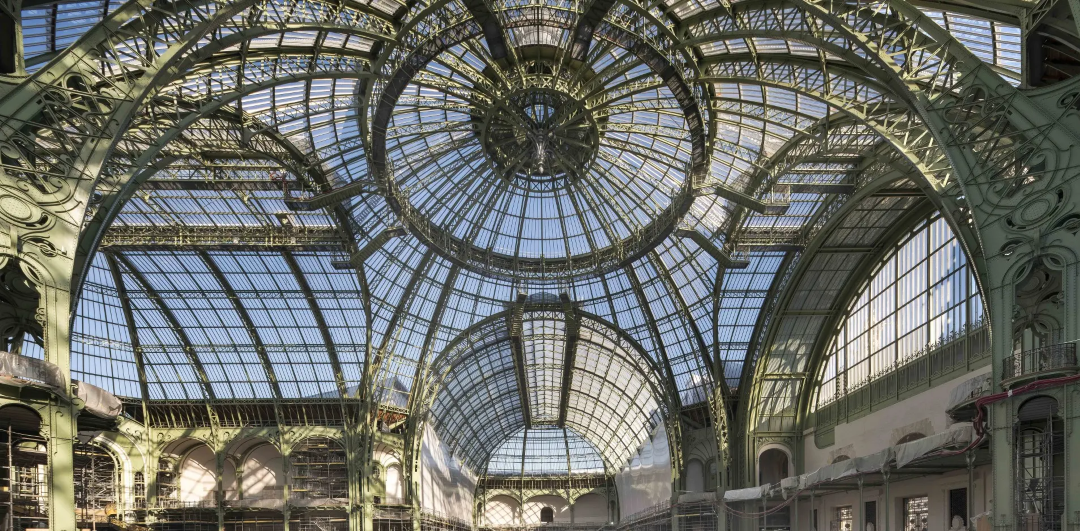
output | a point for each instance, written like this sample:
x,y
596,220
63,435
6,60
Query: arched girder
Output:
x,y
142,168
758,367
658,340
478,338
249,326
99,47
718,396
391,328
129,320
894,122
320,321
174,324
412,439
684,311
982,149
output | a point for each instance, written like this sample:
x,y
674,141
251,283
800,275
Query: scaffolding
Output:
x,y
138,491
317,520
254,520
433,521
168,491
185,519
319,471
655,518
95,486
392,519
697,516
24,502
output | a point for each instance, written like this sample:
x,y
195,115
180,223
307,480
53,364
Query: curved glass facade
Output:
x,y
922,292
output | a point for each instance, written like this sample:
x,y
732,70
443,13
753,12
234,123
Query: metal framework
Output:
x,y
289,204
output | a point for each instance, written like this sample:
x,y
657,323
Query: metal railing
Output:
x,y
960,351
1049,358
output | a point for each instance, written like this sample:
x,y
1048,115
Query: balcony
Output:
x,y
1039,363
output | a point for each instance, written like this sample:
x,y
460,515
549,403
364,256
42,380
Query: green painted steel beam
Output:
x,y
572,326
249,326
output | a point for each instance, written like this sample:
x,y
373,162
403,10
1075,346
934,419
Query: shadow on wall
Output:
x,y
446,484
263,474
534,507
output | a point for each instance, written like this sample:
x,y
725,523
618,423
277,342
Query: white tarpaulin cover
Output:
x,y
789,485
968,389
21,370
846,468
957,435
873,462
646,481
831,472
752,493
98,401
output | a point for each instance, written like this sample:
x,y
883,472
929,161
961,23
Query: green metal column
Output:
x,y
999,301
59,425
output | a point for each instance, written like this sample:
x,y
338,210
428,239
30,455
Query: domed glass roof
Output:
x,y
619,165
539,164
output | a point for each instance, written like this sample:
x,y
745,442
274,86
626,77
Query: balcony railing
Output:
x,y
1049,359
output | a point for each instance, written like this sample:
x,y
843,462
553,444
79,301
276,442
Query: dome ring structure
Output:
x,y
533,130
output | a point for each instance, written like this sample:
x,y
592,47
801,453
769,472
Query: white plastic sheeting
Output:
x,y
751,493
646,481
446,484
98,401
20,370
957,435
968,389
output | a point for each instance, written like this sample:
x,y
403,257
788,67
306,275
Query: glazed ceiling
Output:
x,y
623,169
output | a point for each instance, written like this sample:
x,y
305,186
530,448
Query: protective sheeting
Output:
x,y
20,370
446,484
98,401
968,389
646,481
843,469
957,435
752,493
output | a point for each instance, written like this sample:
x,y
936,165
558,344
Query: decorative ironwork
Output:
x,y
1051,358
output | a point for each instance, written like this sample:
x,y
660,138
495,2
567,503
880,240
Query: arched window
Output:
x,y
922,293
547,514
772,466
393,484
